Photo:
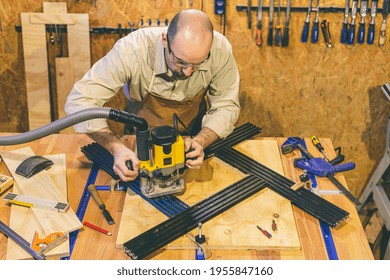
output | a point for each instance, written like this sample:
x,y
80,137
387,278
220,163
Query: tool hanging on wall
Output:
x,y
278,29
325,27
345,24
270,37
362,24
371,26
352,26
259,26
285,37
249,14
306,24
385,12
316,23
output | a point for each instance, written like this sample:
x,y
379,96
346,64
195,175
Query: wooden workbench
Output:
x,y
349,239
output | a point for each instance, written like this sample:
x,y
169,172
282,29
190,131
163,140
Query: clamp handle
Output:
x,y
344,167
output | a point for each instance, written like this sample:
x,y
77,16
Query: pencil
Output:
x,y
97,228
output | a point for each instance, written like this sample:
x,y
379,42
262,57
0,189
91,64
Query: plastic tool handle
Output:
x,y
270,38
278,35
305,32
351,34
360,38
129,164
285,38
259,37
314,32
344,167
382,34
344,33
371,34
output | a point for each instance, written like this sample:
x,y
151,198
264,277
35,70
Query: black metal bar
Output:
x,y
150,241
307,201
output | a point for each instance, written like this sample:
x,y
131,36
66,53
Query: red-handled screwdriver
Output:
x,y
266,233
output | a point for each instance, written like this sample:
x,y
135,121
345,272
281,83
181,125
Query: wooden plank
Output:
x,y
39,19
236,228
54,8
23,221
36,71
65,81
78,46
41,185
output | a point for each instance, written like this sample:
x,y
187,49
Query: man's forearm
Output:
x,y
206,137
106,138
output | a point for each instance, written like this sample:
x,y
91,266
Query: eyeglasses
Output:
x,y
184,64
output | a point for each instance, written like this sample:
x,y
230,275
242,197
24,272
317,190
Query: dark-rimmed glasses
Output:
x,y
184,64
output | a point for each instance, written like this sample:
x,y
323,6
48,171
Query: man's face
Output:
x,y
183,59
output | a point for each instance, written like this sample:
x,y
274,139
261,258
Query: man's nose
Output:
x,y
188,71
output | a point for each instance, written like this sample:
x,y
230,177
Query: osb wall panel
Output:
x,y
301,90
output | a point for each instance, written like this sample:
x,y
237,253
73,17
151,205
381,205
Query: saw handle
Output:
x,y
344,167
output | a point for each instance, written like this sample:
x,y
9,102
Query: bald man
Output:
x,y
187,69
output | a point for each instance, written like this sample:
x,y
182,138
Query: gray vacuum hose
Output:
x,y
84,115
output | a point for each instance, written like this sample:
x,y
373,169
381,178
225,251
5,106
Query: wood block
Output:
x,y
234,229
54,8
23,221
36,71
78,46
65,81
41,185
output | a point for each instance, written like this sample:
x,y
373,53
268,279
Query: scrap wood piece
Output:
x,y
23,219
41,185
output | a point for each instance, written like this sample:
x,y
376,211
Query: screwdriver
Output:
x,y
266,233
316,142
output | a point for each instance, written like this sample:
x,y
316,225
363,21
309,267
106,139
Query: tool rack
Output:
x,y
375,184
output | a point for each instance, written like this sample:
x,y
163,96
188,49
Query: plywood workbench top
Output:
x,y
349,239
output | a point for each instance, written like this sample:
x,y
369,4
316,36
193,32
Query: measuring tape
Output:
x,y
36,202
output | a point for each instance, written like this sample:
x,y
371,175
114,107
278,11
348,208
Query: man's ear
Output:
x,y
164,39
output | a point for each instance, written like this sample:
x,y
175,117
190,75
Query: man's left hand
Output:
x,y
194,153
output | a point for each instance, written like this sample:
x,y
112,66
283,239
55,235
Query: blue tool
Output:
x,y
318,166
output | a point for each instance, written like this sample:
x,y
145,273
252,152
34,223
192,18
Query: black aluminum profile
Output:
x,y
159,236
302,198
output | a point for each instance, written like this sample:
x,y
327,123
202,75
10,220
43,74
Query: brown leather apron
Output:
x,y
159,111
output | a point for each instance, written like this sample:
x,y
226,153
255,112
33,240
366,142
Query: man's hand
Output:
x,y
194,153
194,147
121,156
106,138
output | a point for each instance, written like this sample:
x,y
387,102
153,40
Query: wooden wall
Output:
x,y
301,90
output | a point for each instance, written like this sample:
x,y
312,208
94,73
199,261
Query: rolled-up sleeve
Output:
x,y
224,106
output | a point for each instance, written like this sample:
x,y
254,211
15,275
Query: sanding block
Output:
x,y
33,165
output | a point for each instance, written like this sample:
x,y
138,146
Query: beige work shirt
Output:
x,y
138,60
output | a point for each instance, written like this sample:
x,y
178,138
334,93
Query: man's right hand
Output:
x,y
121,155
